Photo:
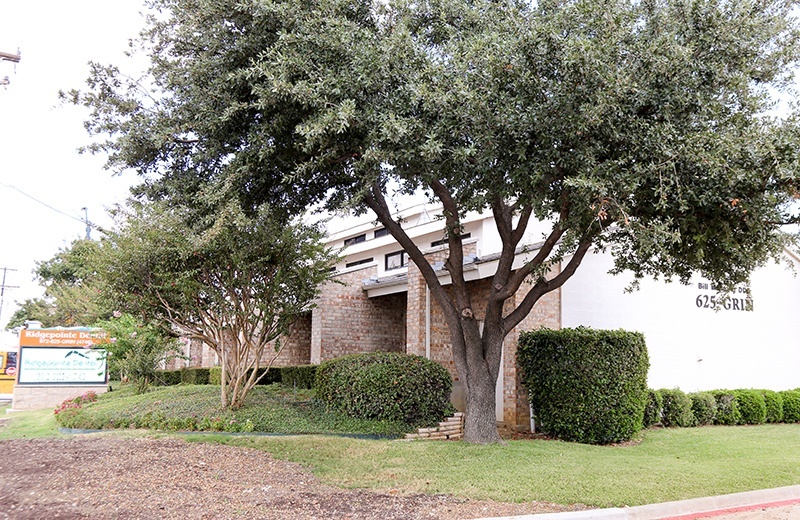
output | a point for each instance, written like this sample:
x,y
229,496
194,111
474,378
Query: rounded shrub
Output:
x,y
386,386
774,403
752,408
677,410
652,409
727,408
791,405
704,408
586,385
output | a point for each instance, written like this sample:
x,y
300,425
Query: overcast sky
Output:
x,y
39,139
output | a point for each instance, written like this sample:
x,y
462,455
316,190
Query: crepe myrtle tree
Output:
x,y
236,285
636,126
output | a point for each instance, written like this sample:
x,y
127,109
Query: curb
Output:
x,y
697,508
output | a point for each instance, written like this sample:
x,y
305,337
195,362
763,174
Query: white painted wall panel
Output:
x,y
691,347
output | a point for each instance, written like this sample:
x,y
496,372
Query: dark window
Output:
x,y
396,260
444,240
354,240
358,262
382,232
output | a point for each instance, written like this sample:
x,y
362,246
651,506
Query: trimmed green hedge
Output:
x,y
652,410
774,403
386,386
704,408
302,376
190,376
215,376
677,409
586,385
727,408
791,405
752,407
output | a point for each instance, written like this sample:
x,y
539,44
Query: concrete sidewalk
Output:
x,y
768,504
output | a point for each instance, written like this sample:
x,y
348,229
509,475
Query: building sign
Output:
x,y
62,356
62,337
708,298
61,365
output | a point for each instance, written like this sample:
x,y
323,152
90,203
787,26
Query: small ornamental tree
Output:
x,y
640,127
236,285
137,350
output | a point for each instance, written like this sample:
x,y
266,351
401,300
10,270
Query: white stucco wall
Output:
x,y
690,347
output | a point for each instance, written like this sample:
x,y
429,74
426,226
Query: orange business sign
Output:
x,y
61,338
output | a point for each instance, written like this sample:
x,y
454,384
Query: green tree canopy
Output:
x,y
72,295
639,126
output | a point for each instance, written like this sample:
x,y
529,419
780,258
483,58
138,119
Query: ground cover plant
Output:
x,y
273,409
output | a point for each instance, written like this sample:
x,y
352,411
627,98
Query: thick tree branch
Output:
x,y
455,258
544,286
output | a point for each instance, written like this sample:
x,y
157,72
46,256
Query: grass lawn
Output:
x,y
668,464
29,424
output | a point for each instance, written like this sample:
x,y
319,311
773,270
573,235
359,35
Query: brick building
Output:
x,y
378,301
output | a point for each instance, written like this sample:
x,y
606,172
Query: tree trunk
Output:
x,y
224,387
480,425
482,366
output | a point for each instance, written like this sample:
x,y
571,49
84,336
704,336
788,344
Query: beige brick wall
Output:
x,y
37,397
296,345
346,321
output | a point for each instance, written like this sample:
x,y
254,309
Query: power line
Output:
x,y
48,206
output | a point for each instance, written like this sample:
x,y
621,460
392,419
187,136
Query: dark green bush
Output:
x,y
190,376
791,405
727,408
386,386
168,377
677,410
586,385
704,408
299,376
194,376
273,376
652,410
752,408
215,376
774,403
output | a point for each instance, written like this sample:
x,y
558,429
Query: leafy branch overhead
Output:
x,y
637,126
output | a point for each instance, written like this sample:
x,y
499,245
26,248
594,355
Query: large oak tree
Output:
x,y
639,126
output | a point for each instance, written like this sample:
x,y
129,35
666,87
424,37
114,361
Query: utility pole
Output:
x,y
3,288
13,58
88,224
